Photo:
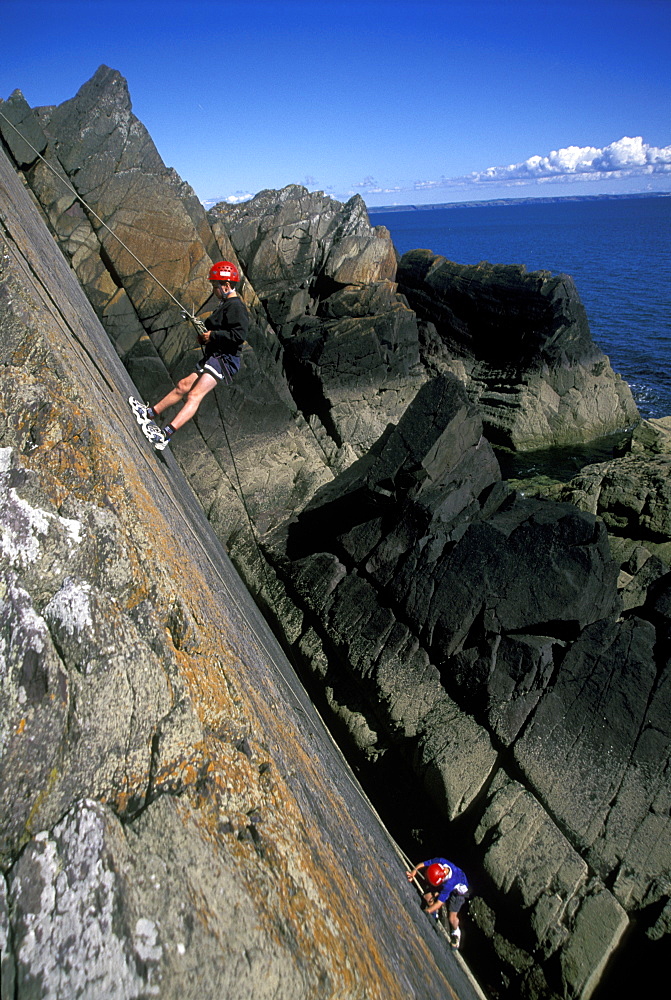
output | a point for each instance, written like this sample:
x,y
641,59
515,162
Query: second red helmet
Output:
x,y
437,874
223,270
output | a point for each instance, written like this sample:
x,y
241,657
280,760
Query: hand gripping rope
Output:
x,y
186,313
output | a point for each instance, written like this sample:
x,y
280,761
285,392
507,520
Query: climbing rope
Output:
x,y
186,313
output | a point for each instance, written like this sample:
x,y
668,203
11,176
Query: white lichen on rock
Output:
x,y
22,524
71,607
66,888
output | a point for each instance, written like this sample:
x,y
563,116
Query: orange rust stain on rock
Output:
x,y
300,887
322,914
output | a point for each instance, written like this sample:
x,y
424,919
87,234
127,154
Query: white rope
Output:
x,y
186,313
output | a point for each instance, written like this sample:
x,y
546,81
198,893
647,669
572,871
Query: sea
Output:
x,y
618,251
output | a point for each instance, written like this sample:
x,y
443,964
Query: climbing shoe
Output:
x,y
154,434
163,442
455,937
141,410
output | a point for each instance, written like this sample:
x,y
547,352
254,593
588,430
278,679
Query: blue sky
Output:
x,y
404,102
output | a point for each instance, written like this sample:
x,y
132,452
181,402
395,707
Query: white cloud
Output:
x,y
235,199
230,199
627,157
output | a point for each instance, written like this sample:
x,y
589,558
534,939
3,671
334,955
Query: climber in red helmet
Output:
x,y
448,884
222,341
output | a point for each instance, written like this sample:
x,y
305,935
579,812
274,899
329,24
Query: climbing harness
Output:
x,y
186,313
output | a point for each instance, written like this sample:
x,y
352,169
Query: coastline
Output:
x,y
386,209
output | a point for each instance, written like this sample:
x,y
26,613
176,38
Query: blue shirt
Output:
x,y
457,882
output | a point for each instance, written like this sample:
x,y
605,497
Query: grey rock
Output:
x,y
505,675
398,695
141,903
325,278
572,917
292,238
646,569
356,374
117,170
7,976
632,495
606,706
521,343
652,437
70,652
531,563
20,129
437,448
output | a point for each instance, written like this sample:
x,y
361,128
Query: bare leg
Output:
x,y
195,393
175,395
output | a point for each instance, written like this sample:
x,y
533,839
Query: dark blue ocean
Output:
x,y
618,252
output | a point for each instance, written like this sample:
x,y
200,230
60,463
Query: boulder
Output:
x,y
20,130
521,343
651,437
437,448
116,169
632,496
325,277
293,239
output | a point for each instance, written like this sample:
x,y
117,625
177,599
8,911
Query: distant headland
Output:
x,y
378,209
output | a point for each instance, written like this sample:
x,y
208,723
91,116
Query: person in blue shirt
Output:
x,y
448,885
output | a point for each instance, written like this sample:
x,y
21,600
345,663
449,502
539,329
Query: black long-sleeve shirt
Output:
x,y
228,325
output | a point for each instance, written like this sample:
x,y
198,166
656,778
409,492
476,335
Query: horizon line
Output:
x,y
547,199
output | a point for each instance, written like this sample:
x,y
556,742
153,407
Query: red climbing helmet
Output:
x,y
223,270
437,874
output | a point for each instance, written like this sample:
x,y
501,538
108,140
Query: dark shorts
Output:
x,y
222,367
455,901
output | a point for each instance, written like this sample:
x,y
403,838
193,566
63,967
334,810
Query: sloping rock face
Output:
x,y
175,820
521,343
